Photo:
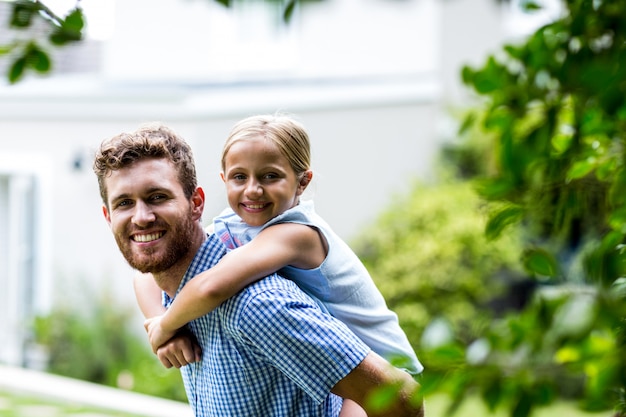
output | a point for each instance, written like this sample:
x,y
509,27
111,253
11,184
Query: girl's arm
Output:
x,y
179,350
351,409
275,247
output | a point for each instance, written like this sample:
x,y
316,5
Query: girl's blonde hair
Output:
x,y
285,132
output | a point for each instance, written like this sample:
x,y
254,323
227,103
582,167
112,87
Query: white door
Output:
x,y
17,264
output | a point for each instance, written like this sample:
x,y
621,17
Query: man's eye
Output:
x,y
239,177
158,197
123,203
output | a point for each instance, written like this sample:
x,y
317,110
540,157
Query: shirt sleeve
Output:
x,y
312,348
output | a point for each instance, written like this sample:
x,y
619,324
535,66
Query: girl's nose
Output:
x,y
254,188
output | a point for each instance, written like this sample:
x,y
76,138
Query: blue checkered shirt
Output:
x,y
267,351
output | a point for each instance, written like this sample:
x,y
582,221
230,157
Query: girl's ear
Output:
x,y
307,176
222,176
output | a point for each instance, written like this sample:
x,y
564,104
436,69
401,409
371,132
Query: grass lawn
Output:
x,y
472,407
19,405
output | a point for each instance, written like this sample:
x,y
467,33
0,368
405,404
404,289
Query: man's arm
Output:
x,y
148,295
180,350
315,350
373,373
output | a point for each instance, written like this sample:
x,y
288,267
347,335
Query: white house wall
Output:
x,y
199,40
368,142
368,78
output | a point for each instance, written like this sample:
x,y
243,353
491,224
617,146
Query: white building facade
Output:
x,y
368,78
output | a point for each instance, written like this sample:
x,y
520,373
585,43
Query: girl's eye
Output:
x,y
239,177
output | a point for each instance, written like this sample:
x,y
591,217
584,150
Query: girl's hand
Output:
x,y
180,350
156,335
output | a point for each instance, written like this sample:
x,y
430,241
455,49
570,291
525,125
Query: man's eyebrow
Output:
x,y
119,197
153,190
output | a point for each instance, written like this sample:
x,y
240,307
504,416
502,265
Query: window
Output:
x,y
23,278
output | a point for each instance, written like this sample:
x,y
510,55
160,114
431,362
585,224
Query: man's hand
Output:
x,y
180,350
156,335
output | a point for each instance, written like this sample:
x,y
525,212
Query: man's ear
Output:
x,y
197,203
106,214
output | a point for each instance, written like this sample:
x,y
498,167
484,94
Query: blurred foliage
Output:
x,y
37,30
430,258
552,118
101,346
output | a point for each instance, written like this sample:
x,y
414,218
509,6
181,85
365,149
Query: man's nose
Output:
x,y
143,215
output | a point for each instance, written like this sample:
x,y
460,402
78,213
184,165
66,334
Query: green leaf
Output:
x,y
492,394
561,142
468,122
291,5
493,189
485,83
500,220
449,354
17,70
514,51
41,61
74,21
23,12
382,398
488,79
618,188
467,74
523,406
6,49
540,262
617,220
605,169
70,30
581,169
530,6
37,59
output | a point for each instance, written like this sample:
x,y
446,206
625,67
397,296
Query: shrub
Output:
x,y
429,257
102,347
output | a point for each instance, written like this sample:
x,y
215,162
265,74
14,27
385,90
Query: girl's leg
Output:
x,y
351,409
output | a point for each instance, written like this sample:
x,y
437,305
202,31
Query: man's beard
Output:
x,y
180,241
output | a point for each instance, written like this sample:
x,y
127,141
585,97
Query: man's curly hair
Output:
x,y
148,141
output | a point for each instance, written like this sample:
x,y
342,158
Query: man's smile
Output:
x,y
148,237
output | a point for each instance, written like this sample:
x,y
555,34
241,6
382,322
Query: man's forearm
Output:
x,y
374,373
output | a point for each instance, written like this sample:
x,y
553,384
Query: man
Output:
x,y
267,351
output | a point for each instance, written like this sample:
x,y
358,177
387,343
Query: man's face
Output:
x,y
152,221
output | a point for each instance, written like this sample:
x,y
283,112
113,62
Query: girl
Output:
x,y
266,168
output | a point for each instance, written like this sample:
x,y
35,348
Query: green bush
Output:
x,y
429,256
102,347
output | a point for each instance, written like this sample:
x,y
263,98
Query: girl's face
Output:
x,y
260,182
